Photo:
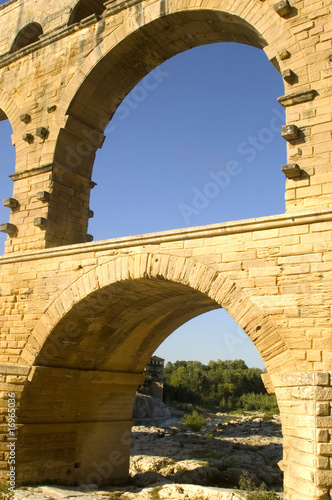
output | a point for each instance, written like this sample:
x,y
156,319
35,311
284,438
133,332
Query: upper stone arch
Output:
x,y
149,35
137,301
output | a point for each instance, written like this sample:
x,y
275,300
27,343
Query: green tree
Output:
x,y
229,383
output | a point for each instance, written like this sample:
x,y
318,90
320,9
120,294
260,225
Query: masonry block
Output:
x,y
43,196
289,132
10,203
8,228
291,170
283,8
28,138
40,222
25,117
289,76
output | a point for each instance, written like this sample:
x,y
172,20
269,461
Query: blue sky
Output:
x,y
208,114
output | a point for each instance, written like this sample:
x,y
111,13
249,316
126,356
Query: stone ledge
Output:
x,y
53,36
221,229
46,428
302,379
297,98
54,168
14,370
113,7
7,4
92,376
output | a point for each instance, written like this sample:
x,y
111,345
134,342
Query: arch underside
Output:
x,y
114,317
119,327
131,59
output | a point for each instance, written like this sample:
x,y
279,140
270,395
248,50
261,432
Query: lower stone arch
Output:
x,y
221,290
75,417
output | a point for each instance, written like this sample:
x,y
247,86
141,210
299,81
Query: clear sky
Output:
x,y
209,113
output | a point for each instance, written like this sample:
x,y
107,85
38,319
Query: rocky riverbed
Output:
x,y
172,462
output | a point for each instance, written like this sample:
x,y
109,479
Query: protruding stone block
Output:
x,y
91,214
40,222
283,8
291,170
42,132
289,76
8,229
323,409
28,138
323,462
297,98
43,196
323,436
10,203
284,54
89,238
25,117
290,132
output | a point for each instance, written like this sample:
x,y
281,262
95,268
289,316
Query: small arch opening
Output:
x,y
86,8
26,36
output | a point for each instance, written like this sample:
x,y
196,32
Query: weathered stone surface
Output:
x,y
8,228
146,407
99,307
291,170
297,98
289,75
289,132
10,203
283,8
284,54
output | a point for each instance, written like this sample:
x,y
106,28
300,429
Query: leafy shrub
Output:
x,y
259,402
250,402
194,421
254,492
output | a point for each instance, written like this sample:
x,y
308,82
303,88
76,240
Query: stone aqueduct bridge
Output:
x,y
79,319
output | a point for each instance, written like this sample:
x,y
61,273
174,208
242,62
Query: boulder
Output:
x,y
148,408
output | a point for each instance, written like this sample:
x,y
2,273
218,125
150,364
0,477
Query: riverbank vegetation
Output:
x,y
229,385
